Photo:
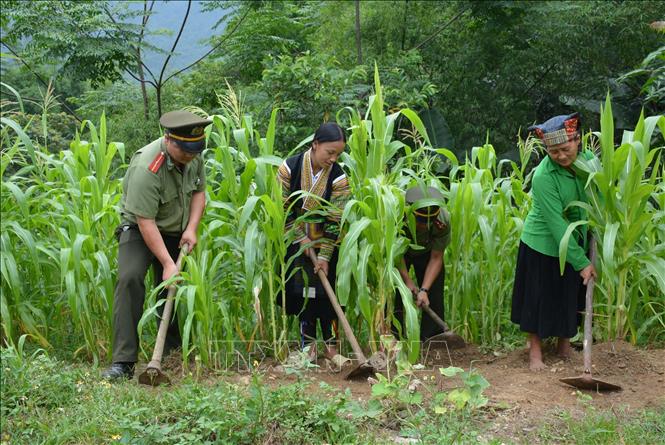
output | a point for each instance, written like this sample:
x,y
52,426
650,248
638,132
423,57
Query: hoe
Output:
x,y
586,381
153,374
364,367
454,341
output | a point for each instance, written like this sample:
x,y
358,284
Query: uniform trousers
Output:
x,y
134,259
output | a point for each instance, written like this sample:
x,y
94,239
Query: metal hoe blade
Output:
x,y
364,367
154,377
360,372
585,381
451,339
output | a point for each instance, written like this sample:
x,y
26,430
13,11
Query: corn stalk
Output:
x,y
626,213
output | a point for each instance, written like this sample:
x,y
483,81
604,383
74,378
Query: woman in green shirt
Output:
x,y
546,302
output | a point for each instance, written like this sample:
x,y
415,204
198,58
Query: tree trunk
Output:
x,y
161,81
358,45
438,31
144,93
404,23
139,61
158,89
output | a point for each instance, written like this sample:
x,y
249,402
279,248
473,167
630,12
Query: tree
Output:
x,y
358,42
500,65
92,41
76,38
270,29
156,82
65,39
648,81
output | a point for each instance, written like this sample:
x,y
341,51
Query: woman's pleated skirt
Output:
x,y
545,302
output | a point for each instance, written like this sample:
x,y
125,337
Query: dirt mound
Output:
x,y
621,358
641,373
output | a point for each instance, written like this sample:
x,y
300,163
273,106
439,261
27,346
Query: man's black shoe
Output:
x,y
118,371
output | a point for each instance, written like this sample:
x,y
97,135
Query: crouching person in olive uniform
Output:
x,y
432,235
163,198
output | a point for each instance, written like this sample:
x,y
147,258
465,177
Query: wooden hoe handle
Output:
x,y
338,310
166,315
588,311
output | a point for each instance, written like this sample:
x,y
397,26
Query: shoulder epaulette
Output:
x,y
157,162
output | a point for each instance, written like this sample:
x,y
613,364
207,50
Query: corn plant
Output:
x,y
59,209
374,222
21,216
237,271
625,189
485,233
66,212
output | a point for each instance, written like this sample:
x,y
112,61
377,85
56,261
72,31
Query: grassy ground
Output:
x,y
45,400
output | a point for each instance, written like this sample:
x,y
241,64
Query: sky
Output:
x,y
167,15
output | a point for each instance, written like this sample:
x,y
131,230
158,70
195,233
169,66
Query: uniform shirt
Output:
x,y
432,236
553,188
154,188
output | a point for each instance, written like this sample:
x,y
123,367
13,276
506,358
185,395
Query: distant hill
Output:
x,y
167,15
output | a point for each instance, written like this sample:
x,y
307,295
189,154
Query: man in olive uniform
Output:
x,y
432,235
163,198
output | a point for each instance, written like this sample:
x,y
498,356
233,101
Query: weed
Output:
x,y
470,395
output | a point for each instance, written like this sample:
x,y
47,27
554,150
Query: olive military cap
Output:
x,y
186,129
557,130
416,193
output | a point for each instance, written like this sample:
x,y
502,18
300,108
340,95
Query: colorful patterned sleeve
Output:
x,y
340,195
284,177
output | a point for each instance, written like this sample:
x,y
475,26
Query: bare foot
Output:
x,y
564,355
535,354
537,365
330,352
536,359
563,348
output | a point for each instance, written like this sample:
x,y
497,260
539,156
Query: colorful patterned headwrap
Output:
x,y
557,130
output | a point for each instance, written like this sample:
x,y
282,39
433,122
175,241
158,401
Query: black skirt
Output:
x,y
300,300
545,302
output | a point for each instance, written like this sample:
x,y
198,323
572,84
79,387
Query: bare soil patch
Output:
x,y
640,372
520,400
527,399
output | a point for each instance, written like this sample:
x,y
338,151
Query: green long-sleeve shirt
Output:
x,y
553,188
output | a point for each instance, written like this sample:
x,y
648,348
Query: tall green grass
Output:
x,y
487,213
58,215
59,210
373,222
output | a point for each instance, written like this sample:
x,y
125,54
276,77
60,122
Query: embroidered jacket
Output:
x,y
330,184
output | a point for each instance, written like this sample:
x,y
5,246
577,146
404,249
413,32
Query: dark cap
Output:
x,y
417,193
186,129
557,130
